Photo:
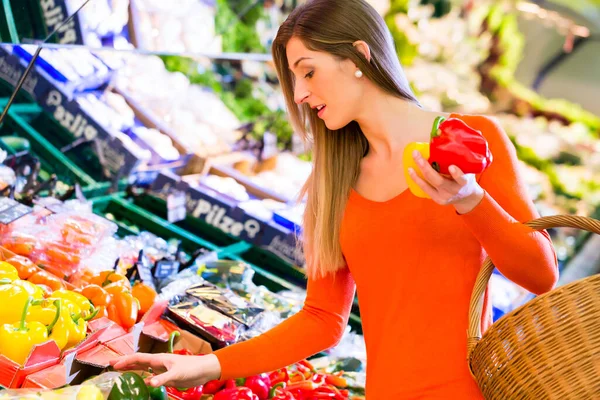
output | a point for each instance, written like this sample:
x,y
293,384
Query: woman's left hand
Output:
x,y
462,191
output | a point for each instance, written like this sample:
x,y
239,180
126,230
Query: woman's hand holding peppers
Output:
x,y
462,191
444,169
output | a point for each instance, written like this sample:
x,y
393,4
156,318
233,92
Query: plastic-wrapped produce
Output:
x,y
96,388
216,327
226,302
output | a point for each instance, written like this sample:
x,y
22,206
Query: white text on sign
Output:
x,y
215,216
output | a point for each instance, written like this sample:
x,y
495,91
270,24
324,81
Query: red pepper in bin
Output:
x,y
237,393
186,394
281,375
183,352
259,384
319,379
193,393
307,364
213,387
278,392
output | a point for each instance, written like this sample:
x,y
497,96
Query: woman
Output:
x,y
414,261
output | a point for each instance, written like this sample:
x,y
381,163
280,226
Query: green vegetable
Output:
x,y
441,7
129,386
239,34
158,393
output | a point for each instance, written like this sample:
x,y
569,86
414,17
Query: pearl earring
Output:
x,y
358,73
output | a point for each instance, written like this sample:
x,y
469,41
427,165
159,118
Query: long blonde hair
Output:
x,y
332,26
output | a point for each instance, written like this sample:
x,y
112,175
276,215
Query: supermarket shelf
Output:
x,y
124,211
260,57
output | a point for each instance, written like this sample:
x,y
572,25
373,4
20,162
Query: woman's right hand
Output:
x,y
172,369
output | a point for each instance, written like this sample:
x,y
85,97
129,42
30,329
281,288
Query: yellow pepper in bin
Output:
x,y
78,299
13,299
7,271
17,340
42,311
67,324
77,330
32,289
50,314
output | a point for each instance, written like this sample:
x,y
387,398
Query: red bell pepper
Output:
x,y
453,142
278,392
303,387
319,379
193,393
237,393
307,364
305,371
281,375
213,387
296,376
329,392
186,394
259,384
183,352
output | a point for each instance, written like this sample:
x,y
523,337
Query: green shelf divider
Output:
x,y
52,157
8,27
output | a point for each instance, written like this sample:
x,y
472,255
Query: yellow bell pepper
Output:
x,y
76,298
12,299
89,391
32,289
7,271
67,305
17,340
408,161
41,311
50,315
77,330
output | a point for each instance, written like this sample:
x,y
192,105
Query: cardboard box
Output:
x,y
42,356
110,329
54,377
66,371
111,344
157,331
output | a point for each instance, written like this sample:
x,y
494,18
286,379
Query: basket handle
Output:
x,y
476,306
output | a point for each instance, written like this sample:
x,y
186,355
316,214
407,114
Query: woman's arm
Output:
x,y
524,256
317,327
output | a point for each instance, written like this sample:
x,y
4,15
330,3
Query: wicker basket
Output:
x,y
548,348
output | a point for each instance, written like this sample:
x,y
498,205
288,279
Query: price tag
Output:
x,y
142,271
176,210
145,273
11,210
166,268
